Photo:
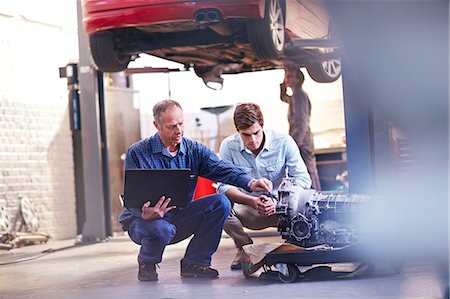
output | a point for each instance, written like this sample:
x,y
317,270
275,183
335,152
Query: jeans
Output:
x,y
204,218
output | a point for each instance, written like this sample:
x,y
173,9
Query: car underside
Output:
x,y
213,46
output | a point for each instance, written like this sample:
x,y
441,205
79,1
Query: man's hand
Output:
x,y
158,211
261,185
265,206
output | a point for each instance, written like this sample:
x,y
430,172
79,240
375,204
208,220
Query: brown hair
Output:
x,y
246,114
161,107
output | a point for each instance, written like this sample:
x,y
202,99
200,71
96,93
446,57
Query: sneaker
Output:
x,y
195,270
236,264
147,272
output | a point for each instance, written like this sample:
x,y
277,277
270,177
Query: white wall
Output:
x,y
260,87
36,158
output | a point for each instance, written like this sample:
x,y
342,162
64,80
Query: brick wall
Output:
x,y
36,158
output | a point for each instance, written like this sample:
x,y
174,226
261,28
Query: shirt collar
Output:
x,y
268,144
158,146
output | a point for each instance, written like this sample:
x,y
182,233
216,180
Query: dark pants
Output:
x,y
310,161
204,218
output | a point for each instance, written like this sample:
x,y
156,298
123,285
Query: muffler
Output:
x,y
207,16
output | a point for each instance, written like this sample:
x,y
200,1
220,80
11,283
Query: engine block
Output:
x,y
309,217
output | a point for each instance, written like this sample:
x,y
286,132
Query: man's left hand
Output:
x,y
265,206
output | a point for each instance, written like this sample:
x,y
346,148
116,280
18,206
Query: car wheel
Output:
x,y
292,275
267,36
106,56
325,71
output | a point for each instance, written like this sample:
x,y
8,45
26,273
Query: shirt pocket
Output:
x,y
247,170
274,172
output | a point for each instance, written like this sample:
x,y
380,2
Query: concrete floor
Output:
x,y
108,270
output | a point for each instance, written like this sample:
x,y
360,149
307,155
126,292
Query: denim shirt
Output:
x,y
280,157
151,153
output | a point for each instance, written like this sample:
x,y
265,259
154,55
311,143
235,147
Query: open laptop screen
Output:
x,y
142,185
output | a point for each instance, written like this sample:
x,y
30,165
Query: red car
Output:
x,y
213,36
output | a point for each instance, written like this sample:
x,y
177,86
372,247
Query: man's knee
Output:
x,y
225,203
165,231
221,202
156,230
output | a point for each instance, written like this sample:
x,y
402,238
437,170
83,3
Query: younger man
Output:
x,y
261,154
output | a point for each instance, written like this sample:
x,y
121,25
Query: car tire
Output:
x,y
293,274
325,71
267,36
106,56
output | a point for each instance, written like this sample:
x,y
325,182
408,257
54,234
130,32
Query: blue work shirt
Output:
x,y
151,153
279,157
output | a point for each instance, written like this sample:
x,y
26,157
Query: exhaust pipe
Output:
x,y
212,18
207,16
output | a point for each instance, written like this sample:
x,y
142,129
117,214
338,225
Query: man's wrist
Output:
x,y
249,185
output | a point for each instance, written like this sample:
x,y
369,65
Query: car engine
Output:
x,y
309,217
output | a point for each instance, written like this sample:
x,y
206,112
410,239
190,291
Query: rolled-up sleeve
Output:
x,y
295,164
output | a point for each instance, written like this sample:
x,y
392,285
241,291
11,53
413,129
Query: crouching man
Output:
x,y
155,227
260,153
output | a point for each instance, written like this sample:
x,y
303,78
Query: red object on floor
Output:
x,y
204,187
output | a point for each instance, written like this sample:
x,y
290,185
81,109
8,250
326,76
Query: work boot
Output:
x,y
147,272
236,264
195,270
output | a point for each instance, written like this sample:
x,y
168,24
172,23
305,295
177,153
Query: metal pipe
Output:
x,y
104,152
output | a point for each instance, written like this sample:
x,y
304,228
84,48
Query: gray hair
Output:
x,y
161,107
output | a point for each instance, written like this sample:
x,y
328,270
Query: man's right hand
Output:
x,y
157,211
261,185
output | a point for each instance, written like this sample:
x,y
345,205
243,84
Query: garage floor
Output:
x,y
108,270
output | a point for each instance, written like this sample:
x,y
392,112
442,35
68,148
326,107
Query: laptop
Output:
x,y
142,185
